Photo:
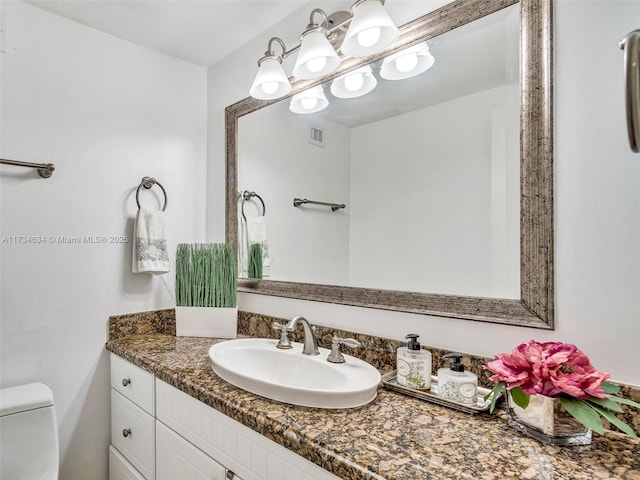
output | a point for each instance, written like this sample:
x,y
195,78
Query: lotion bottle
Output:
x,y
414,365
457,384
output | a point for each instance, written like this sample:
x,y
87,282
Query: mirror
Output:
x,y
525,257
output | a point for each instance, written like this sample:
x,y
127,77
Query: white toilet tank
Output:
x,y
28,433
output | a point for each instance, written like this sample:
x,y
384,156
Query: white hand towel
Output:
x,y
252,230
150,253
256,230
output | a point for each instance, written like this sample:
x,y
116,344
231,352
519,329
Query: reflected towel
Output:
x,y
252,230
150,253
256,230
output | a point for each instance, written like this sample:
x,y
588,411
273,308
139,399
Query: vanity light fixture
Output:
x,y
271,81
317,56
354,84
407,63
309,101
370,30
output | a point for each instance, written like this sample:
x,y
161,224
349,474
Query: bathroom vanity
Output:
x,y
190,422
160,432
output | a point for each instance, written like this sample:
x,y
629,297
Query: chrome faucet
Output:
x,y
310,344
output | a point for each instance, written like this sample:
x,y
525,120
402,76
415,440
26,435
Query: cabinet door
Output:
x,y
178,459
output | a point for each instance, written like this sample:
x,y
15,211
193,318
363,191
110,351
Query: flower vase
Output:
x,y
546,420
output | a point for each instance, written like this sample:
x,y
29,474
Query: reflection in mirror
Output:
x,y
350,175
428,167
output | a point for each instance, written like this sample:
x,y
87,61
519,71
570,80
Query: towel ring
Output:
x,y
148,182
247,195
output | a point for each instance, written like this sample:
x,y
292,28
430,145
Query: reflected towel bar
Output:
x,y
334,206
45,170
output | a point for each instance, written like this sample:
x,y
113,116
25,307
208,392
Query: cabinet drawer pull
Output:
x,y
126,432
125,382
229,475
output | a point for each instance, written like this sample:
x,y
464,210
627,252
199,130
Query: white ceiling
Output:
x,y
205,31
198,31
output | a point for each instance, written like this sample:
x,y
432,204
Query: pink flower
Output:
x,y
551,369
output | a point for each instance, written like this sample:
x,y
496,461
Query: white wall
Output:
x,y
280,164
429,196
596,197
106,112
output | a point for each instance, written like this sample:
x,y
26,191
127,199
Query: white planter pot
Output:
x,y
212,322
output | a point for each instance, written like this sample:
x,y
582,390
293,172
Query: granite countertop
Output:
x,y
395,437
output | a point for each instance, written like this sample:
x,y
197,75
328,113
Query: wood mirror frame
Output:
x,y
535,308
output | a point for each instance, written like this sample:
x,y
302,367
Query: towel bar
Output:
x,y
45,170
631,46
334,206
148,182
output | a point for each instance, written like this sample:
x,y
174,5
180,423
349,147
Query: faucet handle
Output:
x,y
284,342
336,355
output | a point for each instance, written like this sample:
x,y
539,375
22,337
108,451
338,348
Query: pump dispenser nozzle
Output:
x,y
456,362
413,343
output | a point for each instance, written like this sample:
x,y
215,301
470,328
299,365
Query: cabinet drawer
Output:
x,y
179,459
133,382
120,469
133,434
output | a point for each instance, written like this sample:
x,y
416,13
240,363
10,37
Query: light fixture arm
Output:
x,y
319,11
270,52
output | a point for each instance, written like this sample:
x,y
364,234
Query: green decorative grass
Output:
x,y
206,275
255,261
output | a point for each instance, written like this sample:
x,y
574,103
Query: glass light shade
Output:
x,y
309,101
354,84
271,81
316,56
370,31
407,63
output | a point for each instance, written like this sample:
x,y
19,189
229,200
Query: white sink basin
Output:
x,y
256,365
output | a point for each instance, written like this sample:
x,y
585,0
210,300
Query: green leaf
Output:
x,y
610,388
626,401
495,394
520,398
615,421
606,403
582,412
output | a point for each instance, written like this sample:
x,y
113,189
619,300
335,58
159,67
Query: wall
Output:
x,y
437,179
596,204
106,112
280,164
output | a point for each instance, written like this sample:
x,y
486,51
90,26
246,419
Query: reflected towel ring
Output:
x,y
148,182
247,195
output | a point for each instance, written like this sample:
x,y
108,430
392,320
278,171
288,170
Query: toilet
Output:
x,y
28,433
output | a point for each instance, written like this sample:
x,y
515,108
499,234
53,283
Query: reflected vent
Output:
x,y
316,136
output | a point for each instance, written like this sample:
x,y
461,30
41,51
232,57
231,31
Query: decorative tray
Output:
x,y
389,381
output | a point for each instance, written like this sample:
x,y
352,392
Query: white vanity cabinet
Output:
x,y
186,439
132,422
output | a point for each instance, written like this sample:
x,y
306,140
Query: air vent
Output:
x,y
316,136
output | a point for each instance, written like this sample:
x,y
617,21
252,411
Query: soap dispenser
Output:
x,y
414,365
457,384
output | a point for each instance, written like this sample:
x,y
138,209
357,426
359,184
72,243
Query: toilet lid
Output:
x,y
24,397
